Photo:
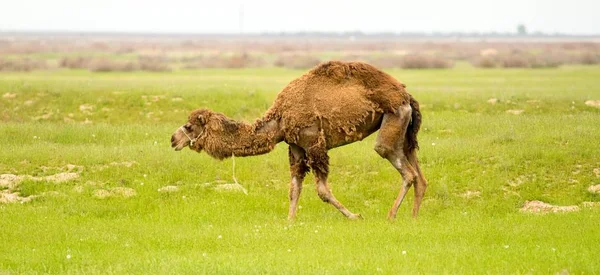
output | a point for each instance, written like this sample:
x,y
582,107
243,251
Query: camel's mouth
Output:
x,y
179,141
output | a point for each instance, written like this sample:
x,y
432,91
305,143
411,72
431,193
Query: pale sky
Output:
x,y
223,16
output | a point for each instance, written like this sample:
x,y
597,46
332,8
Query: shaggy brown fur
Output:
x,y
333,104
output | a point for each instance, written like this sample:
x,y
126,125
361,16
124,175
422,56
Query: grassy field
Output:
x,y
108,135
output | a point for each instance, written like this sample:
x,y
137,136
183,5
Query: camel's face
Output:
x,y
187,135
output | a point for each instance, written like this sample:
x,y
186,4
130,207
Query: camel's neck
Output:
x,y
226,137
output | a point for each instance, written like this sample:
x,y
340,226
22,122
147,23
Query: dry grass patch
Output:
x,y
297,61
22,64
109,65
539,207
419,61
593,103
115,192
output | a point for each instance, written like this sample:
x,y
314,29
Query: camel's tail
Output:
x,y
411,143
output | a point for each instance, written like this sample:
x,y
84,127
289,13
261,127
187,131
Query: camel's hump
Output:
x,y
342,93
340,71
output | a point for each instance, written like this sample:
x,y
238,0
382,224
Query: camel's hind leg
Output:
x,y
390,145
420,185
298,169
319,162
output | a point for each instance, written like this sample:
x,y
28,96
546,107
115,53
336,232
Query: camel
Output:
x,y
333,104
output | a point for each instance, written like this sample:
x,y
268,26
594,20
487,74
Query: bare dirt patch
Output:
x,y
44,116
116,192
11,182
594,189
8,196
127,164
515,112
86,108
593,103
231,187
597,172
168,189
540,207
9,95
492,101
470,194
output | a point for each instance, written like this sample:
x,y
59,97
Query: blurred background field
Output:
x,y
91,185
91,91
102,53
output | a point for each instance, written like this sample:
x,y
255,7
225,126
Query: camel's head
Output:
x,y
190,134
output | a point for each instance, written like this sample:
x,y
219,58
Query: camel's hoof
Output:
x,y
355,217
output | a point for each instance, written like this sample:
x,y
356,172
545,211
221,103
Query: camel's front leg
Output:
x,y
319,162
298,169
326,196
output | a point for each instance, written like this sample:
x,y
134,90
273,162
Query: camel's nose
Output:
x,y
173,141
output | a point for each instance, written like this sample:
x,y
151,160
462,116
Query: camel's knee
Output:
x,y
383,150
409,177
323,193
295,188
421,187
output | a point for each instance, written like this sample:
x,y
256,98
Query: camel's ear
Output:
x,y
201,119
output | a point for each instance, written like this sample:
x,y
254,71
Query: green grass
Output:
x,y
467,144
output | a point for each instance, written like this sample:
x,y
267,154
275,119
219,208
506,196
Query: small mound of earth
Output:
x,y
470,194
515,112
595,189
9,180
593,103
117,192
230,187
492,101
168,189
86,108
9,95
540,207
7,196
127,164
597,172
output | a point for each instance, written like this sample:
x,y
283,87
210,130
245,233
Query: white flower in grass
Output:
x,y
220,237
68,256
506,246
403,252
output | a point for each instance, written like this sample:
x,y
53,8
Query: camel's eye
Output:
x,y
188,127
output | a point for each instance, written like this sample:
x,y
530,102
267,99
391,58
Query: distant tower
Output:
x,y
521,30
